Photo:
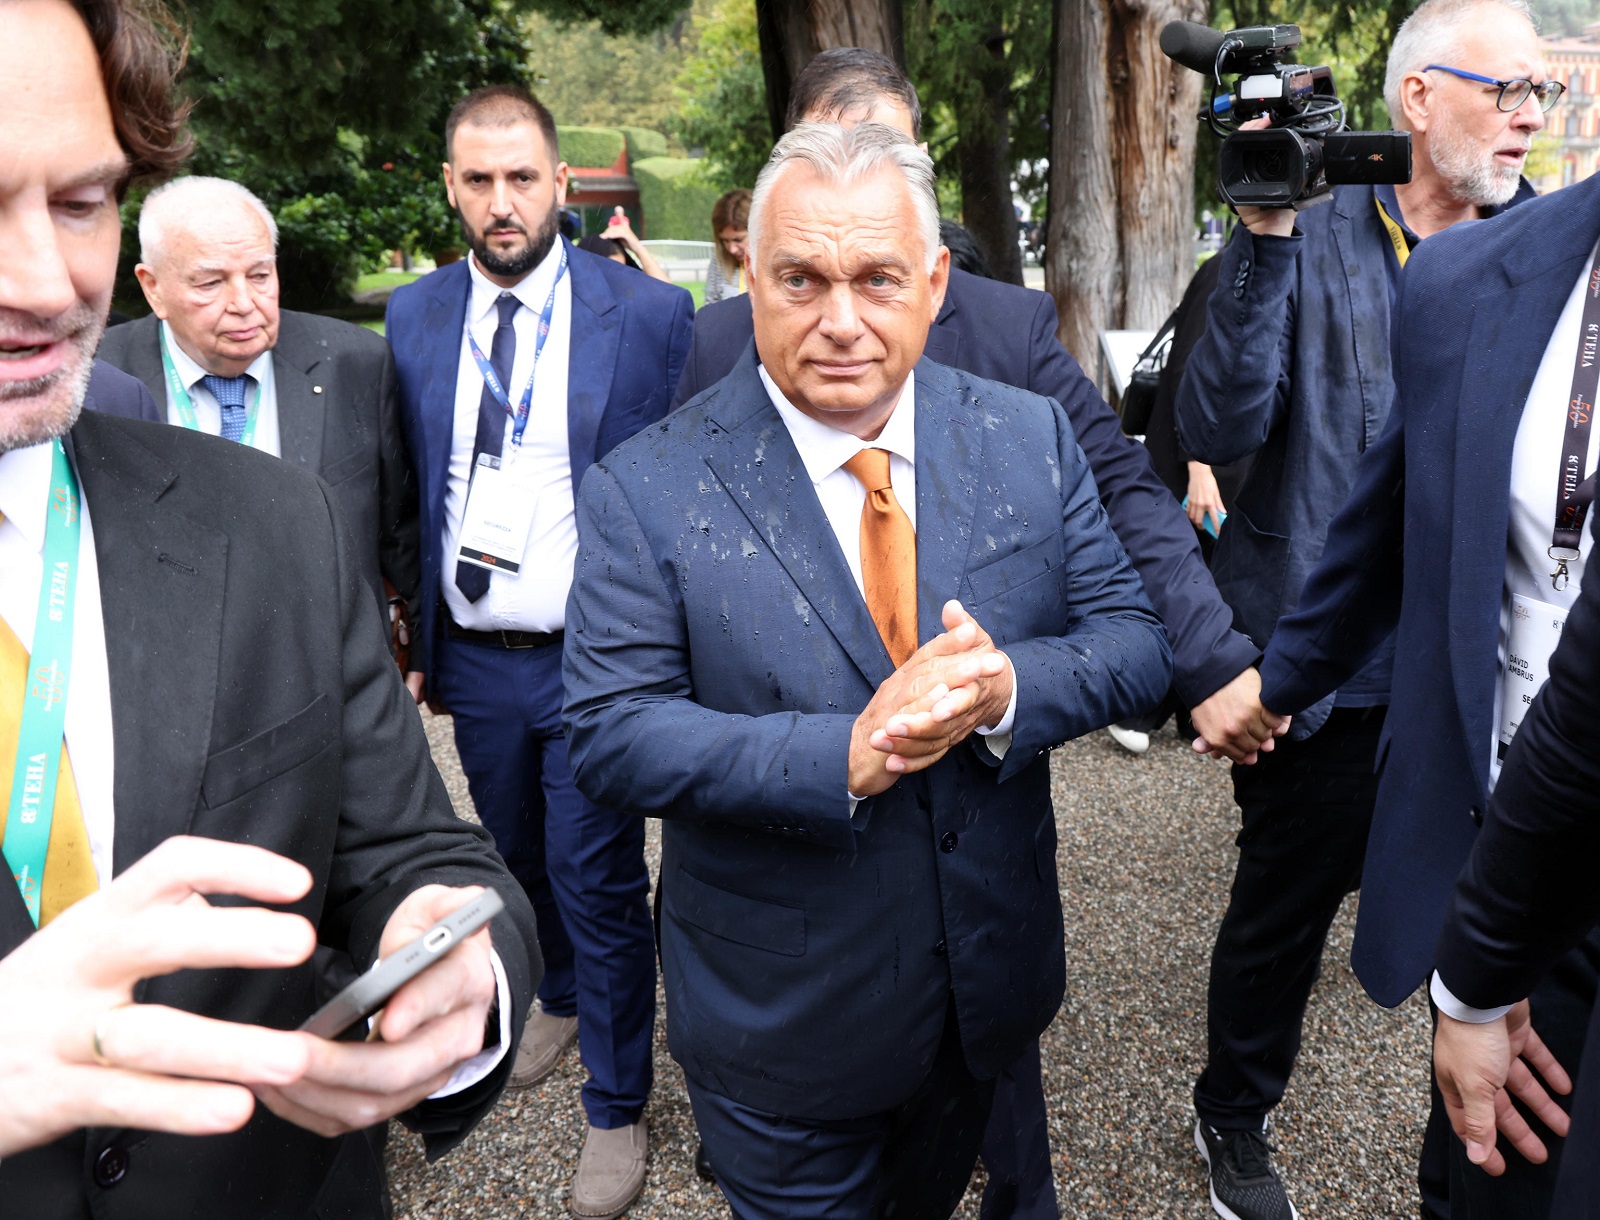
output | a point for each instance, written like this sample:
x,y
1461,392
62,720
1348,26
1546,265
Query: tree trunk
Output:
x,y
1119,237
793,31
984,154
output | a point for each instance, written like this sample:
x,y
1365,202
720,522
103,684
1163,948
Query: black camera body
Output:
x,y
1308,150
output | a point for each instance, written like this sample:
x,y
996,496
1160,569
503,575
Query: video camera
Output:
x,y
1308,150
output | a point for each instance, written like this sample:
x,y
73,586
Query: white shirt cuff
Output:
x,y
1444,999
470,1071
998,739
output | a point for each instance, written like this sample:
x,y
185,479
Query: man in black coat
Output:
x,y
228,682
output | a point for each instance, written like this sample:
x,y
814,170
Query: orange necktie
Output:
x,y
68,867
888,556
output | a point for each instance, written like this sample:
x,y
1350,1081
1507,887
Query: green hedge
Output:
x,y
675,197
590,146
642,143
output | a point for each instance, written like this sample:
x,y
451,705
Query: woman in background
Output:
x,y
730,226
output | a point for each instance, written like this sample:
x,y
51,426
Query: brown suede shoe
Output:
x,y
544,1041
610,1171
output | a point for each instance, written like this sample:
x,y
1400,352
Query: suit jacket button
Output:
x,y
948,842
110,1167
939,949
1477,815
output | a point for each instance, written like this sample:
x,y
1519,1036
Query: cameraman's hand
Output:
x,y
1265,222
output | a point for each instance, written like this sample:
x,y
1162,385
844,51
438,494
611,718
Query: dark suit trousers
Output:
x,y
1305,810
909,1163
1453,1188
1016,1147
582,866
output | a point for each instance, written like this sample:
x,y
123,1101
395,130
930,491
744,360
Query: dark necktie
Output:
x,y
230,393
888,556
473,581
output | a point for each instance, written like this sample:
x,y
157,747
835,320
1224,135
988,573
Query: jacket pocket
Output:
x,y
1042,558
1251,569
232,772
745,921
350,464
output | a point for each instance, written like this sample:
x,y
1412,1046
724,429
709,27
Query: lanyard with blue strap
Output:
x,y
180,396
519,414
44,697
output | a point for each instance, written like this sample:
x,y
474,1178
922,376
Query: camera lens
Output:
x,y
1264,165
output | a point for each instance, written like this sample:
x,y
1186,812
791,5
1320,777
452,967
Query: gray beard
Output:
x,y
1472,174
64,391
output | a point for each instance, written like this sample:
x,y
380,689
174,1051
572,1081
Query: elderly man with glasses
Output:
x,y
1295,368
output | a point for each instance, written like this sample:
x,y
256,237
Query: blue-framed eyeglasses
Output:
x,y
1512,92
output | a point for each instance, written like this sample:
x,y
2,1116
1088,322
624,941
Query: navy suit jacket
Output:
x,y
630,334
1427,518
718,652
1008,334
113,392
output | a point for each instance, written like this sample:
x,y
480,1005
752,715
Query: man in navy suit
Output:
x,y
1455,505
1294,371
518,367
861,923
1008,334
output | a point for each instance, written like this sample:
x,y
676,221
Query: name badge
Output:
x,y
1534,633
499,516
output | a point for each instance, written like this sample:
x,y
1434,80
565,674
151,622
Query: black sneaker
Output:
x,y
1244,1185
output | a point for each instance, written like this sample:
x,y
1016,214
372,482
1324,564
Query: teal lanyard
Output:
x,y
180,396
44,695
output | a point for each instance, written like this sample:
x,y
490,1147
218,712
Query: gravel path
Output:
x,y
1146,856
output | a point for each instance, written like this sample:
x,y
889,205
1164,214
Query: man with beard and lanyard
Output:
x,y
1295,368
518,368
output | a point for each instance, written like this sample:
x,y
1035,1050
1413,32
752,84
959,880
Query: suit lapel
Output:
x,y
445,322
596,334
302,414
161,587
762,473
949,455
143,355
1512,321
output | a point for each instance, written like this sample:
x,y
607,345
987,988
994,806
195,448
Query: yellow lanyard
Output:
x,y
1401,250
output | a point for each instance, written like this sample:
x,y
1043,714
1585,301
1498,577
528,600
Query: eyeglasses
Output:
x,y
1512,92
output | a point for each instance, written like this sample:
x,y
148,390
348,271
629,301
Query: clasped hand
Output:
x,y
954,684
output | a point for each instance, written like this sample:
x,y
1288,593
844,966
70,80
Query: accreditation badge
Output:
x,y
1530,642
498,518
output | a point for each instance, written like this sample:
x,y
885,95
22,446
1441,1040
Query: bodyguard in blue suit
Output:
x,y
1428,547
517,369
861,921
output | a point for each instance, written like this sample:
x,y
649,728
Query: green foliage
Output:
x,y
723,95
676,198
614,16
1563,18
591,79
947,49
590,146
642,143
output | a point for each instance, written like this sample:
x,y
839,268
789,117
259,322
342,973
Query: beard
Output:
x,y
518,261
1470,168
43,408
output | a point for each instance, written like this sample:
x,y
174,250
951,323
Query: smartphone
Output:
x,y
372,990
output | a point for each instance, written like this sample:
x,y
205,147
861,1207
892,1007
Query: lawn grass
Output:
x,y
386,279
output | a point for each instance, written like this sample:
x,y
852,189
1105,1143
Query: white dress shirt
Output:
x,y
206,411
534,598
24,505
1535,459
824,451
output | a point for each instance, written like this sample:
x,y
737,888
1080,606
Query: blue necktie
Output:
x,y
473,581
230,393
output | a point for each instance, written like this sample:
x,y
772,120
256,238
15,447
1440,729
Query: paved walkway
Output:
x,y
1145,859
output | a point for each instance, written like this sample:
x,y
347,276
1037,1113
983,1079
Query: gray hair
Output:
x,y
1432,35
183,198
845,155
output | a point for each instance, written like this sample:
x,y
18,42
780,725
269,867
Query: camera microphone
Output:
x,y
1192,45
